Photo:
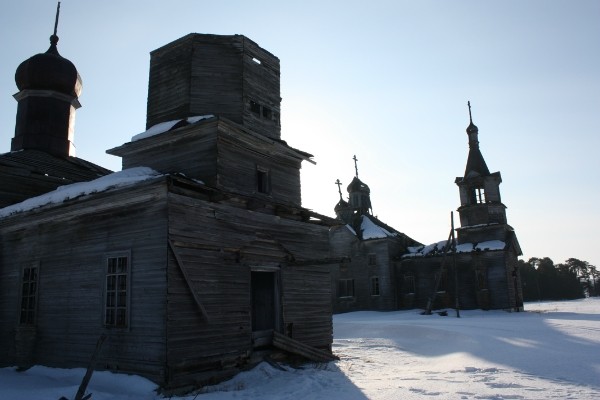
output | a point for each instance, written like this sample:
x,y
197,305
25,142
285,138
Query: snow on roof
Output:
x,y
67,192
166,126
372,231
351,229
438,248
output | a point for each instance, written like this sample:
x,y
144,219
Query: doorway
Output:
x,y
264,301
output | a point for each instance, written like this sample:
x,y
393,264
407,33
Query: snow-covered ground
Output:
x,y
552,351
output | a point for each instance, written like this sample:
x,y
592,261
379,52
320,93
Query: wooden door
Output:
x,y
264,312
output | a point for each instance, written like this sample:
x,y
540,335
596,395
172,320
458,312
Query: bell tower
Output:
x,y
480,202
49,87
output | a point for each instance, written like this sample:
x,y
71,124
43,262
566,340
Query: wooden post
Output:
x,y
90,370
456,303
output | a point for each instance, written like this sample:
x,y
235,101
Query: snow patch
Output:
x,y
372,231
68,192
166,126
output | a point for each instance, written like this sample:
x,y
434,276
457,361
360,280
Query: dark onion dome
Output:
x,y
358,186
49,71
472,128
342,204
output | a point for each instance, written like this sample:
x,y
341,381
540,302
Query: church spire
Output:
x,y
475,163
54,36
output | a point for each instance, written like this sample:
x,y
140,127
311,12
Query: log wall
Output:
x,y
70,243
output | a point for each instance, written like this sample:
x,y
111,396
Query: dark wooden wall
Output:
x,y
212,74
496,295
70,243
30,173
218,246
222,155
355,265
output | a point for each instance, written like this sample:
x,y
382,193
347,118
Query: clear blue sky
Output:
x,y
385,80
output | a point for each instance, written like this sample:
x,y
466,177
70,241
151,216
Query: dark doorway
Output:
x,y
264,312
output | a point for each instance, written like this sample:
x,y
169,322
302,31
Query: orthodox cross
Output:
x,y
56,20
54,38
470,118
339,185
355,164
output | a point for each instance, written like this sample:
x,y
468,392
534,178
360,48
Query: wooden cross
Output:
x,y
339,185
56,20
470,118
355,164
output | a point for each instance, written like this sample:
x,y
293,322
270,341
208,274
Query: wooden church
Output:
x,y
368,249
384,269
192,263
479,268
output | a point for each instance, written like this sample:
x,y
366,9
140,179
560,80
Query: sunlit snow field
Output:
x,y
551,351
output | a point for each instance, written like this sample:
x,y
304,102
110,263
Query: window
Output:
x,y
263,180
255,107
374,286
117,285
372,259
28,295
481,278
346,288
409,284
267,113
478,195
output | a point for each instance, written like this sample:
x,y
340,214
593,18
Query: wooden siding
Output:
x,y
219,245
30,173
203,74
223,155
194,155
70,242
355,265
238,168
496,295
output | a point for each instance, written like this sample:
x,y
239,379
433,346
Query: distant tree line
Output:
x,y
544,280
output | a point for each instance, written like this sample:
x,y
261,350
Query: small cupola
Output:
x,y
49,87
360,194
342,209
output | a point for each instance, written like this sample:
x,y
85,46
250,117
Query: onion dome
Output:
x,y
49,71
472,128
358,186
341,205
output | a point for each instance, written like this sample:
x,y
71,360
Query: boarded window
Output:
x,y
29,295
263,180
117,284
374,286
346,288
372,259
409,284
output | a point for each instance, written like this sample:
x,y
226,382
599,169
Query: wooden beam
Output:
x,y
188,281
293,346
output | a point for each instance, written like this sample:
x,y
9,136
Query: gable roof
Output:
x,y
29,173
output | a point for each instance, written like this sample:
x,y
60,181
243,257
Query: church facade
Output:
x,y
192,263
384,269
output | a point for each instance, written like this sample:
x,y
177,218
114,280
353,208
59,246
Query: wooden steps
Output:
x,y
293,346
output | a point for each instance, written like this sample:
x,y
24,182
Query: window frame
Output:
x,y
346,288
127,307
375,287
409,280
372,259
31,309
263,180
